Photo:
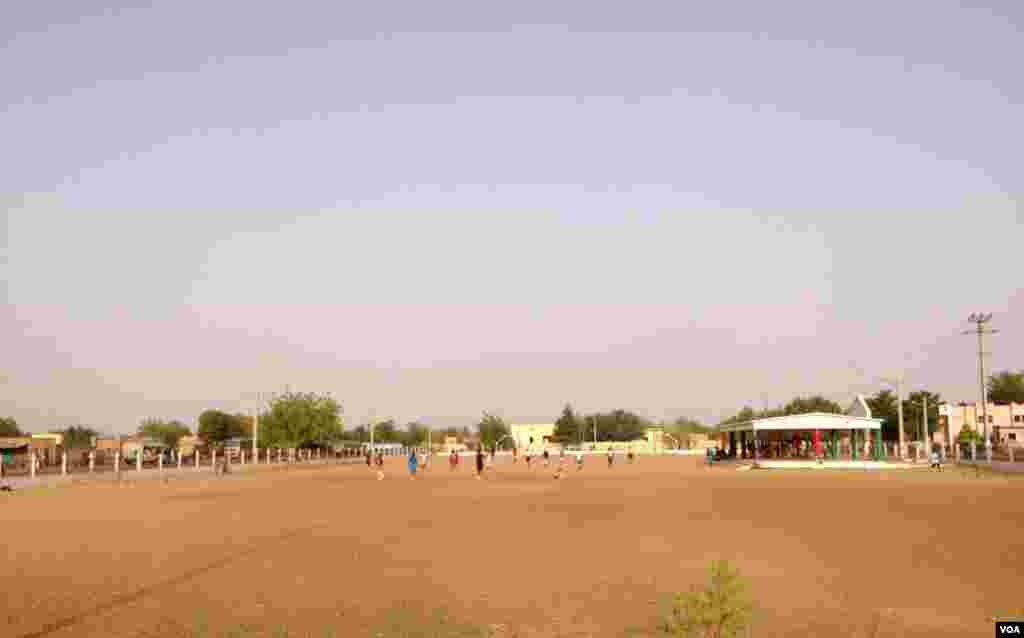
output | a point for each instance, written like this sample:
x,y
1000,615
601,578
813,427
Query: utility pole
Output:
x,y
981,329
924,423
372,419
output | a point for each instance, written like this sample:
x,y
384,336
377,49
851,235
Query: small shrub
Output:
x,y
719,609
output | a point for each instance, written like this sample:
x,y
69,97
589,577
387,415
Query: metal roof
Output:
x,y
809,421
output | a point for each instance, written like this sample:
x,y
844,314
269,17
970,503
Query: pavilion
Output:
x,y
854,435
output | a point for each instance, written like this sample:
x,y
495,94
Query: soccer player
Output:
x,y
380,465
561,467
413,463
611,457
479,462
546,457
579,460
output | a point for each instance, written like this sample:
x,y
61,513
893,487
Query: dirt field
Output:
x,y
333,552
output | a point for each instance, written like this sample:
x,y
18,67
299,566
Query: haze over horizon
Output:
x,y
435,211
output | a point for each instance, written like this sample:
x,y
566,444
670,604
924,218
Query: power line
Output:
x,y
980,321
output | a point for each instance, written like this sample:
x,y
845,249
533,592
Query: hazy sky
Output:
x,y
434,209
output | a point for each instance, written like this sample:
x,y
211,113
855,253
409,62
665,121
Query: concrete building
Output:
x,y
1005,422
15,449
854,434
46,447
187,445
532,437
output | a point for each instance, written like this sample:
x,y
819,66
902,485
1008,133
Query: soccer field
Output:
x,y
331,551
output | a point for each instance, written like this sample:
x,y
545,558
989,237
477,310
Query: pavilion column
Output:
x,y
756,451
853,445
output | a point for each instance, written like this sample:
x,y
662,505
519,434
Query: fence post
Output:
x,y
117,462
196,456
213,459
92,461
63,463
32,465
160,463
177,455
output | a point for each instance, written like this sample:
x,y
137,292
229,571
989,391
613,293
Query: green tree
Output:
x,y
722,608
415,434
491,428
912,413
9,427
215,427
167,432
617,425
968,434
77,437
746,414
296,419
360,433
816,403
386,432
568,427
1006,387
885,406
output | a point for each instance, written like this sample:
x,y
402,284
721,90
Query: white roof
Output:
x,y
811,421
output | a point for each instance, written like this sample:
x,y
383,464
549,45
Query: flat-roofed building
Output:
x,y
1005,422
532,437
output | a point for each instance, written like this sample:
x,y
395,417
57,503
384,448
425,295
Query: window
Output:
x,y
1013,436
1017,418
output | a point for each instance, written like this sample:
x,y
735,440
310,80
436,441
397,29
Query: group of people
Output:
x,y
416,459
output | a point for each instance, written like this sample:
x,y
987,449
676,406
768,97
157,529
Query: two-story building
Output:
x,y
1005,422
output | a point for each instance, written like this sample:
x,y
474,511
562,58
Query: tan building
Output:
x,y
1005,422
187,444
532,437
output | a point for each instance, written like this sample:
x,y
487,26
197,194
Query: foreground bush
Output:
x,y
721,608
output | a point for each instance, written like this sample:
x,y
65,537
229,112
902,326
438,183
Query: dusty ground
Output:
x,y
332,551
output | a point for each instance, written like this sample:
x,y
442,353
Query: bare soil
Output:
x,y
331,551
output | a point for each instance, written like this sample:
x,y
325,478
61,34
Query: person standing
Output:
x,y
579,460
547,457
611,457
479,462
380,465
413,463
453,460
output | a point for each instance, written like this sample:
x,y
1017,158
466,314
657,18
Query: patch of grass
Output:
x,y
720,608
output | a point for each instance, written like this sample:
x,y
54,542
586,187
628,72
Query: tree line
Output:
x,y
297,419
